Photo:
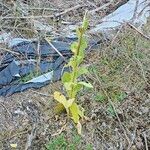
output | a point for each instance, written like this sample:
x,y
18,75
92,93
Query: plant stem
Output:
x,y
75,69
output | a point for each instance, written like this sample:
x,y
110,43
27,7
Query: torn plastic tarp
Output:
x,y
139,9
18,69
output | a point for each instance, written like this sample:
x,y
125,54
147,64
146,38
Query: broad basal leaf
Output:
x,y
59,108
81,112
74,112
61,99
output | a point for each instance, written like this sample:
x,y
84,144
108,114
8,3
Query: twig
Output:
x,y
69,9
42,8
100,8
118,32
10,51
60,131
18,28
31,137
129,143
55,49
20,133
140,32
6,109
92,4
42,94
145,139
128,140
45,16
129,147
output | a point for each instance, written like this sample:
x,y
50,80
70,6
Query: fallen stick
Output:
x,y
30,138
145,139
45,16
100,8
48,41
137,30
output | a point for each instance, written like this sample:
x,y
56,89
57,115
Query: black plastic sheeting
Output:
x,y
16,66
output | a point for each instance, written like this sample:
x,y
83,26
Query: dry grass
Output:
x,y
20,17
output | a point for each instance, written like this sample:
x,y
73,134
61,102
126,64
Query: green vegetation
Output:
x,y
71,81
61,143
121,67
30,76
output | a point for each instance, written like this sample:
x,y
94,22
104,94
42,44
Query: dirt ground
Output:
x,y
118,107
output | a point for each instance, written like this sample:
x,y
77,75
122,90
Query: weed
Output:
x,y
30,76
57,143
89,147
111,111
100,97
70,79
121,69
61,143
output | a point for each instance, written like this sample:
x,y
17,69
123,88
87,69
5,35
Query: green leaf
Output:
x,y
81,111
74,47
88,85
66,77
68,85
83,46
81,71
62,99
85,23
78,32
79,59
74,112
100,97
84,43
78,87
71,63
111,111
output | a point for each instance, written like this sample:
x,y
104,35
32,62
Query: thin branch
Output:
x,y
145,139
31,137
45,16
55,49
100,8
137,30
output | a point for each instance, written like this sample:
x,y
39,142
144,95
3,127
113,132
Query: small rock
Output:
x,y
103,124
144,109
93,116
139,143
